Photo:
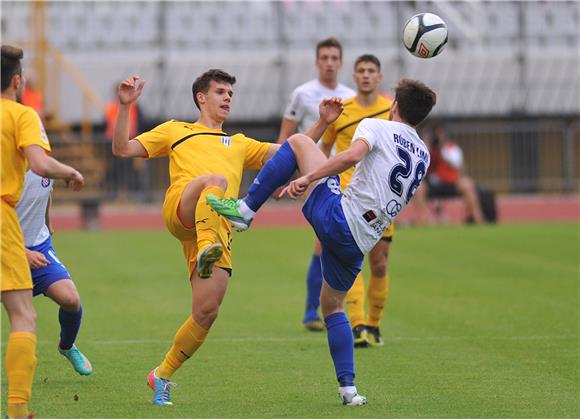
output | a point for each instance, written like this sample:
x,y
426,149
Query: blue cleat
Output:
x,y
79,361
161,388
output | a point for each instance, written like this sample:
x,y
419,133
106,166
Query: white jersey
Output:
x,y
385,180
31,208
303,104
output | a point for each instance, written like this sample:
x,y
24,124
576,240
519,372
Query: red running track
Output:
x,y
511,209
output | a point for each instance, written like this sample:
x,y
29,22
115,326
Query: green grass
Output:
x,y
481,322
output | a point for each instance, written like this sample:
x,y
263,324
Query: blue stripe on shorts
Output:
x,y
341,257
55,271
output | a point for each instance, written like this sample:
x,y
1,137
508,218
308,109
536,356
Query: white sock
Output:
x,y
246,211
347,390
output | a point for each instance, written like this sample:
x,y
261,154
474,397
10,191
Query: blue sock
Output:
x,y
70,323
276,172
313,285
341,344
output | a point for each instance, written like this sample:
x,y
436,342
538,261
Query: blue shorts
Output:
x,y
43,278
341,258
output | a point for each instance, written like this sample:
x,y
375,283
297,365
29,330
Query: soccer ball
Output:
x,y
425,35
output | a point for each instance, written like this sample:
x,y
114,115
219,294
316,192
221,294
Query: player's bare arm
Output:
x,y
330,110
44,165
128,92
287,128
334,166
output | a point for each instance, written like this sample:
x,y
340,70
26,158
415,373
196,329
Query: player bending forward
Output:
x,y
391,161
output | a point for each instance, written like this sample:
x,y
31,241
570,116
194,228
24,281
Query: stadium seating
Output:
x,y
502,57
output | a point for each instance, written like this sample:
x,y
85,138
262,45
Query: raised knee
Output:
x,y
298,139
216,180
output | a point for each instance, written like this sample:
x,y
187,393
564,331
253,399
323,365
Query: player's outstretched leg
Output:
x,y
161,389
275,173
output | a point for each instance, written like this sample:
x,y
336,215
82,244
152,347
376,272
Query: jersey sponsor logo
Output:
x,y
226,141
45,182
369,216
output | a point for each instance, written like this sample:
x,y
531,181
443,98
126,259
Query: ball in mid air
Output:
x,y
425,35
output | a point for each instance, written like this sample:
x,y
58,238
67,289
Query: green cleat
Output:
x,y
229,208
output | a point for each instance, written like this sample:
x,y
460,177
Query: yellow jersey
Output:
x,y
341,131
196,150
21,127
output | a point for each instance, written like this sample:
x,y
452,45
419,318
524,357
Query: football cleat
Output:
x,y
229,208
315,325
207,257
161,389
374,336
359,334
79,361
353,399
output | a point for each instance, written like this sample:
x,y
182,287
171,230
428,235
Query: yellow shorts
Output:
x,y
389,233
188,237
15,269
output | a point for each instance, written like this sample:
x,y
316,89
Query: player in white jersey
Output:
x,y
300,114
49,276
391,161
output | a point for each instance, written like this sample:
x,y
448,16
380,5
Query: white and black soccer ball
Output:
x,y
425,35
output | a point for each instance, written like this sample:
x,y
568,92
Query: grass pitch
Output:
x,y
480,322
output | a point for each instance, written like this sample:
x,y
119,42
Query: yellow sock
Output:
x,y
378,292
18,411
207,221
187,340
20,366
355,301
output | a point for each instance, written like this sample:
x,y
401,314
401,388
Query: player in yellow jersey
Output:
x,y
368,103
203,160
23,142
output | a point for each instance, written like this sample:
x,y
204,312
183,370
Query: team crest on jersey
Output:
x,y
45,182
333,185
226,141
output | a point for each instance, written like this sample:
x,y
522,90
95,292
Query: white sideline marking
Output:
x,y
316,339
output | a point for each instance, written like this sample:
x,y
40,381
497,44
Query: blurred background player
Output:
x,y
368,103
348,225
199,152
445,179
49,276
300,114
24,141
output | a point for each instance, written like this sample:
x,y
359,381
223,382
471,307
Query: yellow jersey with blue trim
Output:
x,y
21,127
195,150
341,131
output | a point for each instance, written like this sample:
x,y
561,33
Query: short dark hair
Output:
x,y
11,66
201,84
415,100
331,42
368,58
